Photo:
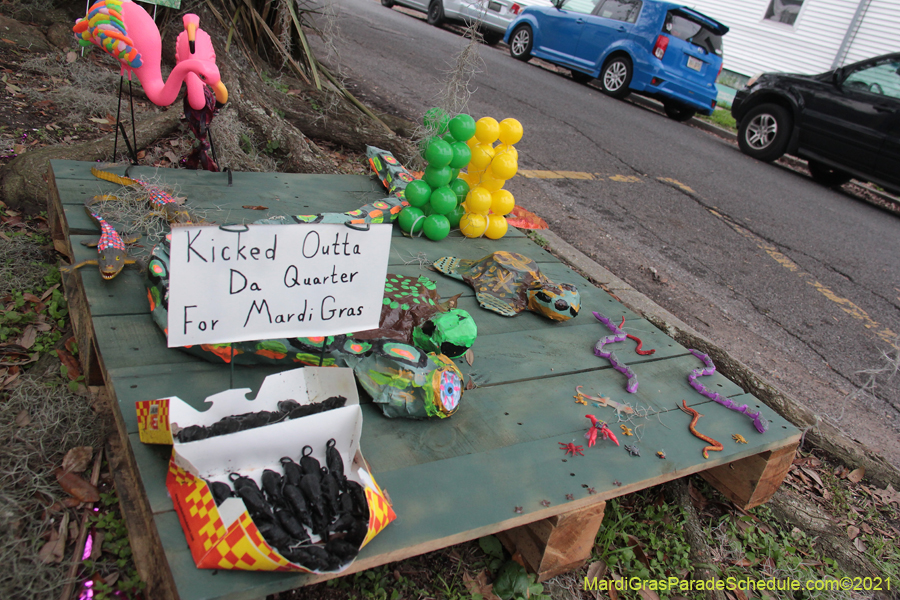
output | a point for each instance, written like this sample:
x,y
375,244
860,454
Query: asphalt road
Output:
x,y
799,282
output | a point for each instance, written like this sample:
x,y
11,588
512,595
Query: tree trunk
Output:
x,y
23,183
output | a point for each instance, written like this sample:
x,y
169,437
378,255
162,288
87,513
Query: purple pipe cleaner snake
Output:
x,y
759,421
618,336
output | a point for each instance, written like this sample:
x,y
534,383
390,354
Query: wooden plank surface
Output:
x,y
455,479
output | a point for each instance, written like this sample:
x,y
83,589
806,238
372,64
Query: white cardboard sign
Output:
x,y
254,282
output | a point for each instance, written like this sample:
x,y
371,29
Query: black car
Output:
x,y
845,123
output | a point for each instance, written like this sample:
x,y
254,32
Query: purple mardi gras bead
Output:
x,y
618,336
759,421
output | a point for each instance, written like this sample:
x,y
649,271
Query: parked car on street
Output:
x,y
493,15
657,49
845,123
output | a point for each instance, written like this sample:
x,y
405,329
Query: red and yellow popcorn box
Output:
x,y
225,536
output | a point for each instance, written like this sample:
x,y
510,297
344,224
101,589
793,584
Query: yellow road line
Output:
x,y
845,304
539,174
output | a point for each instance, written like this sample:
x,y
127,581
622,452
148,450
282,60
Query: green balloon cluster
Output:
x,y
435,201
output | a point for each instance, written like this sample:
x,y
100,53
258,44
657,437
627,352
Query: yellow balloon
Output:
x,y
475,177
473,225
487,130
482,154
492,184
496,227
504,166
506,149
510,131
502,202
466,177
479,200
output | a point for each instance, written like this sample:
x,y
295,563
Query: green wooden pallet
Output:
x,y
494,467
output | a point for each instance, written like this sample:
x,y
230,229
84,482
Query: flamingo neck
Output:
x,y
164,94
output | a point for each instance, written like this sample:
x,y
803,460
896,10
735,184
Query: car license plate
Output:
x,y
494,6
694,63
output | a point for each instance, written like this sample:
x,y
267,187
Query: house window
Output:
x,y
783,11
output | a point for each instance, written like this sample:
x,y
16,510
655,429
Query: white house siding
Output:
x,y
754,44
877,33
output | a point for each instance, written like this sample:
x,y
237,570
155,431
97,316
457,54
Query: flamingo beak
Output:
x,y
221,93
192,35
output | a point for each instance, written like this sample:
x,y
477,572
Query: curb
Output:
x,y
820,432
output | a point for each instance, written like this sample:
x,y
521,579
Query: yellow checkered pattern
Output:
x,y
244,548
380,514
153,421
199,507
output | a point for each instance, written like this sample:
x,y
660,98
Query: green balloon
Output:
x,y
443,200
455,215
437,176
437,120
417,193
439,153
427,210
460,188
462,127
411,220
462,154
437,227
454,173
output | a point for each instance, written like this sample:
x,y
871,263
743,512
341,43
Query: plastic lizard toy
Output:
x,y
112,256
603,401
159,199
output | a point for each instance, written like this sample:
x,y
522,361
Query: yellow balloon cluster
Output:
x,y
491,166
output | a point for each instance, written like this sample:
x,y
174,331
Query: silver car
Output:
x,y
493,16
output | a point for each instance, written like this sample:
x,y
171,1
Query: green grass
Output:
x,y
721,117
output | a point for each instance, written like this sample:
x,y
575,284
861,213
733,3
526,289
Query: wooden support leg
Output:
x,y
558,544
753,480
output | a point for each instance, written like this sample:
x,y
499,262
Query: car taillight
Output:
x,y
659,48
720,71
515,9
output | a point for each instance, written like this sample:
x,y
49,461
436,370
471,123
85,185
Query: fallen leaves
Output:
x,y
77,459
76,486
54,550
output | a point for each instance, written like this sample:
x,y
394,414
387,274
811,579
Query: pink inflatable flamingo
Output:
x,y
194,43
125,31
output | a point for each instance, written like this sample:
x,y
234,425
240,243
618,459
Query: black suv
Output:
x,y
845,123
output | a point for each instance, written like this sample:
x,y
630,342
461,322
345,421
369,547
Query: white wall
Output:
x,y
809,46
877,32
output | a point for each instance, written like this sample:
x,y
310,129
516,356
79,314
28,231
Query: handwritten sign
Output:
x,y
253,282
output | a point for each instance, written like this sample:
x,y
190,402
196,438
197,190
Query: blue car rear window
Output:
x,y
693,32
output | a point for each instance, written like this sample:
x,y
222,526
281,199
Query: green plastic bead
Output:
x,y
462,154
443,200
455,215
460,188
439,153
411,217
437,176
437,227
417,193
462,127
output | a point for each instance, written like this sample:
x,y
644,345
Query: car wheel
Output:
x,y
616,76
827,175
491,38
764,132
435,13
388,3
679,112
580,77
520,43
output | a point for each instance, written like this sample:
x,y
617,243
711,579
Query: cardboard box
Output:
x,y
225,537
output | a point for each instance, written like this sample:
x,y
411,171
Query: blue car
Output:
x,y
658,49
